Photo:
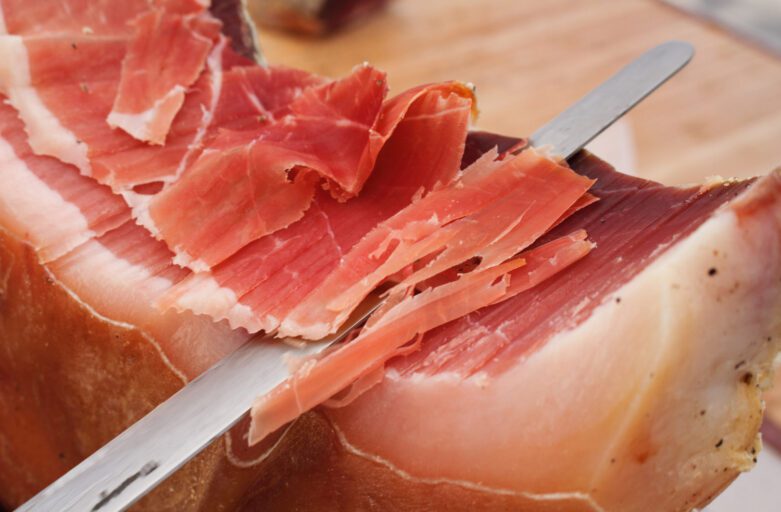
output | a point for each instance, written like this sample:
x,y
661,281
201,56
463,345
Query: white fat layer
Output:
x,y
29,203
627,385
184,258
242,463
139,124
205,295
140,203
465,484
14,63
241,316
309,331
46,135
119,274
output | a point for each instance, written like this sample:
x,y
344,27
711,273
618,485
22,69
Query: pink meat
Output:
x,y
165,55
206,216
254,286
491,206
102,17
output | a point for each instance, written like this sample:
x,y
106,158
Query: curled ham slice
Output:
x,y
166,54
494,208
254,286
325,133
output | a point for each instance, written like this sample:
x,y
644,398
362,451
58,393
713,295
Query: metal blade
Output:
x,y
121,472
569,131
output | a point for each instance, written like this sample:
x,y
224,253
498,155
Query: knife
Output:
x,y
133,463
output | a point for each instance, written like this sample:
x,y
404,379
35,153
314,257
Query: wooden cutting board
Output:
x,y
529,60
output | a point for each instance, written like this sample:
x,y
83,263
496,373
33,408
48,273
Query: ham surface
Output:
x,y
555,336
356,456
165,55
254,286
281,131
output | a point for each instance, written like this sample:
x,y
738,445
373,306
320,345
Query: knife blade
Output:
x,y
133,463
569,131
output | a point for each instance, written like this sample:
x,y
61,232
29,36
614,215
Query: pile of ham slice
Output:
x,y
554,337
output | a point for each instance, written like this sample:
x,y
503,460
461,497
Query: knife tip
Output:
x,y
684,50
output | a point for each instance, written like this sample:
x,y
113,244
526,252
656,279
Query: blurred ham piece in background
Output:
x,y
312,16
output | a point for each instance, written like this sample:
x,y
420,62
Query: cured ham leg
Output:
x,y
352,457
557,336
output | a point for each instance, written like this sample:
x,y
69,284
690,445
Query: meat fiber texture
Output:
x,y
605,325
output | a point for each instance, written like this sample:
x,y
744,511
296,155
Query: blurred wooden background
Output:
x,y
529,60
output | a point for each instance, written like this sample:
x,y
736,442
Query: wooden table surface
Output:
x,y
529,60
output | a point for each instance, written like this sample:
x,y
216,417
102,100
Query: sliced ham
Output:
x,y
254,286
332,130
484,211
254,193
166,54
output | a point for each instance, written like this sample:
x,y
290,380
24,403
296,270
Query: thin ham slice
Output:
x,y
254,286
485,210
254,194
166,54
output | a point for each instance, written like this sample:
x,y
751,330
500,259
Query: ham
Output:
x,y
658,370
484,210
65,117
165,55
578,339
352,450
254,286
310,130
